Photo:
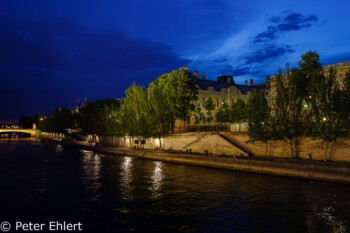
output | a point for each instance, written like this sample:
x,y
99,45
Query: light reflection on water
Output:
x,y
157,178
59,148
91,172
327,213
126,177
337,225
130,194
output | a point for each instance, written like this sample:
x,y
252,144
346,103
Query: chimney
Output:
x,y
86,100
185,68
195,74
251,82
246,82
203,76
228,80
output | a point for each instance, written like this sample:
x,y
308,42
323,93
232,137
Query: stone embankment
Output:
x,y
336,172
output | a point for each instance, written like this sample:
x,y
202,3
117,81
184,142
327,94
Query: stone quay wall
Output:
x,y
237,144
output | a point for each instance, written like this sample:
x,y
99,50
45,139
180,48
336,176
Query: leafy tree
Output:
x,y
179,91
198,115
44,123
258,113
288,119
102,117
209,106
136,113
310,66
88,118
160,114
326,109
238,112
61,119
223,114
111,118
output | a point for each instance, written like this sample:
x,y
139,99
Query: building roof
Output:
x,y
205,84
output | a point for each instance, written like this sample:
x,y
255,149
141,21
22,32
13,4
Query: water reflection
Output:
x,y
337,225
157,178
327,213
126,177
91,174
59,148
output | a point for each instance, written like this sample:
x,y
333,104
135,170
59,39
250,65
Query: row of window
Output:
x,y
218,102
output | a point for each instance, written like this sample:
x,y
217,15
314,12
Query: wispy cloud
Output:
x,y
296,21
268,51
258,53
289,21
265,45
220,60
238,70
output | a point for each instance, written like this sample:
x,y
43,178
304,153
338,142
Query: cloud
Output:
x,y
64,45
238,70
267,52
274,19
265,48
220,60
269,34
289,21
296,21
113,51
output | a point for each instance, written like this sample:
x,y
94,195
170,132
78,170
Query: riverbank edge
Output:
x,y
314,172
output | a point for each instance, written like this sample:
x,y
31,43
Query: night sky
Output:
x,y
53,53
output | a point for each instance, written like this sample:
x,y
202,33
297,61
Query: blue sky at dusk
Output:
x,y
53,53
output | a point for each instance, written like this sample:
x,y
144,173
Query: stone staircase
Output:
x,y
236,144
194,141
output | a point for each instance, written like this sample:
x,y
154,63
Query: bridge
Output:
x,y
32,132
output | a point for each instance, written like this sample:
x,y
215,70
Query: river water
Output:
x,y
43,182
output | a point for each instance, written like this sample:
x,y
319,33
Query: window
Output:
x,y
217,102
203,101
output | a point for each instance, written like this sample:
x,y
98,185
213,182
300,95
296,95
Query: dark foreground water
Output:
x,y
43,182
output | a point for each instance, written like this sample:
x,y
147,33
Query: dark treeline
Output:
x,y
307,102
27,121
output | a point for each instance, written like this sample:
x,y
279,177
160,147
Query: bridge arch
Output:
x,y
31,132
